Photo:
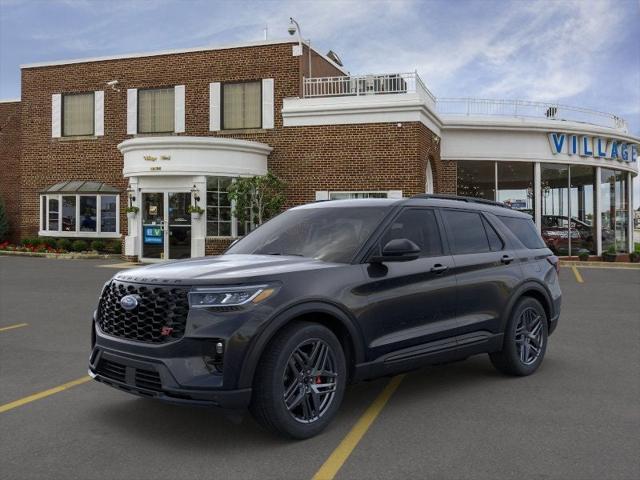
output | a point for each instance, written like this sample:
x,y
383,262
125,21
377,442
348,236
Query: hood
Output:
x,y
228,268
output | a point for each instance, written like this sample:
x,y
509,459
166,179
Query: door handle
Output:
x,y
507,259
439,268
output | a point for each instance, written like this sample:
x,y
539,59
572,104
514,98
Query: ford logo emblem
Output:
x,y
129,302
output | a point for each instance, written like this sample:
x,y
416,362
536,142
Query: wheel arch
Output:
x,y
329,315
533,290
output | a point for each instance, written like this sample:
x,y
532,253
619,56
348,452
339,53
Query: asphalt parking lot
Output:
x,y
578,417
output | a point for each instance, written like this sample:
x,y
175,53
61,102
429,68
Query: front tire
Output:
x,y
525,339
300,382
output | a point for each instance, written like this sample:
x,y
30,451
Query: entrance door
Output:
x,y
166,226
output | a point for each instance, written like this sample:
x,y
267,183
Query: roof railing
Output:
x,y
443,196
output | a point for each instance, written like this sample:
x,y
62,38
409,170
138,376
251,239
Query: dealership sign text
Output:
x,y
588,146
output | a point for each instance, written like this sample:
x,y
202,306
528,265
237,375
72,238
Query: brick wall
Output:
x,y
10,161
339,157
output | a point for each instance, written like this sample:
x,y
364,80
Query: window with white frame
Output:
x,y
156,110
241,105
221,219
78,114
79,215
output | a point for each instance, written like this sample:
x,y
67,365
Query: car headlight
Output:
x,y
229,297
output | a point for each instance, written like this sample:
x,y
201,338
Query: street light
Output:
x,y
294,27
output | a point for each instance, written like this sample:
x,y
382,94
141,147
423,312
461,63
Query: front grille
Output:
x,y
160,316
112,370
148,379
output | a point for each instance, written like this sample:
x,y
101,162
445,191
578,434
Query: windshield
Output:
x,y
324,233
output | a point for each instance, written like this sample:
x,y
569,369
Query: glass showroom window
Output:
x,y
515,185
349,195
80,215
77,114
582,207
241,105
614,209
555,207
156,110
477,179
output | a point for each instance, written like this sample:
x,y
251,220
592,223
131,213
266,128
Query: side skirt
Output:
x,y
440,351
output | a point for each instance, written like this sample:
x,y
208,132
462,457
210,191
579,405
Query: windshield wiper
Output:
x,y
286,254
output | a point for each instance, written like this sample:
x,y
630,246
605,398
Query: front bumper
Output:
x,y
153,378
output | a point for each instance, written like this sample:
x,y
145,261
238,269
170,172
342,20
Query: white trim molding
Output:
x,y
268,114
179,101
98,112
391,108
56,115
132,111
214,107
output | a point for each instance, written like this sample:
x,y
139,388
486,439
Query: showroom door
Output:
x,y
166,226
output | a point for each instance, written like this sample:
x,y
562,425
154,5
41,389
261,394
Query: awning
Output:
x,y
81,186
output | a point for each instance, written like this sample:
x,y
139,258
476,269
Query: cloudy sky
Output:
x,y
580,52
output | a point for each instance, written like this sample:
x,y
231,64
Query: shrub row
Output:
x,y
70,245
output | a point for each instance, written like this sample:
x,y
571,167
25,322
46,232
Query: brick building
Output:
x,y
163,130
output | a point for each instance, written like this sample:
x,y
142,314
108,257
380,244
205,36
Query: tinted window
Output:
x,y
524,230
467,231
324,233
419,226
495,242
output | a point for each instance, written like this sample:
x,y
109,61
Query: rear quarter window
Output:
x,y
525,230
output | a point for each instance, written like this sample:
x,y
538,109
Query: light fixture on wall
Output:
x,y
132,196
195,193
294,27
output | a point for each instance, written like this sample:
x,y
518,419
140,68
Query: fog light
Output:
x,y
219,348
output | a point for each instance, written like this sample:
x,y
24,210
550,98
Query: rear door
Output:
x,y
410,303
486,271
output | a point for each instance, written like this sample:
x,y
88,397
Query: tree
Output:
x,y
257,199
4,222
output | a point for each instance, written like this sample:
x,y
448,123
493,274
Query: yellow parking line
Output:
x,y
577,274
11,327
37,396
332,465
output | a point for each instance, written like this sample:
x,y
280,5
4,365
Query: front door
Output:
x,y
166,226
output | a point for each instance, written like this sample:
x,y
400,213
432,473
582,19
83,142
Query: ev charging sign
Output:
x,y
596,147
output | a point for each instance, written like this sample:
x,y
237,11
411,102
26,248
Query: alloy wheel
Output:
x,y
310,380
529,336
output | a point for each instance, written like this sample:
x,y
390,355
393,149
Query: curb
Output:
x,y
63,256
613,265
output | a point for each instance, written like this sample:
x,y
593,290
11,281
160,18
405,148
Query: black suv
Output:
x,y
326,294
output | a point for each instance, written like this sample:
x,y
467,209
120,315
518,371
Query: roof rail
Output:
x,y
442,196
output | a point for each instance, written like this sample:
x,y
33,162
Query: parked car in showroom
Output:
x,y
328,294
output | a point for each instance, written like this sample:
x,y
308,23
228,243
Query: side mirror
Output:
x,y
398,250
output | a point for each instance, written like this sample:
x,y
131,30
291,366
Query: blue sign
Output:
x,y
152,235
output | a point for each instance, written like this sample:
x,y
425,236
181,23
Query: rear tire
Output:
x,y
300,382
525,339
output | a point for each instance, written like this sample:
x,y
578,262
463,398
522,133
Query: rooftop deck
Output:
x,y
411,83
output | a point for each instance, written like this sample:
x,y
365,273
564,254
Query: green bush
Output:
x,y
583,255
98,245
79,246
114,247
29,241
64,244
47,242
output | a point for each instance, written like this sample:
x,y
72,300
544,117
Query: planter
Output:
x,y
196,215
131,216
610,257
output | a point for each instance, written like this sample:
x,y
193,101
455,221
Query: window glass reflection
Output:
x,y
555,207
614,210
477,179
515,185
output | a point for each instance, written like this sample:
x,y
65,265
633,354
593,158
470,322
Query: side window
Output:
x,y
418,225
495,242
467,231
524,230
